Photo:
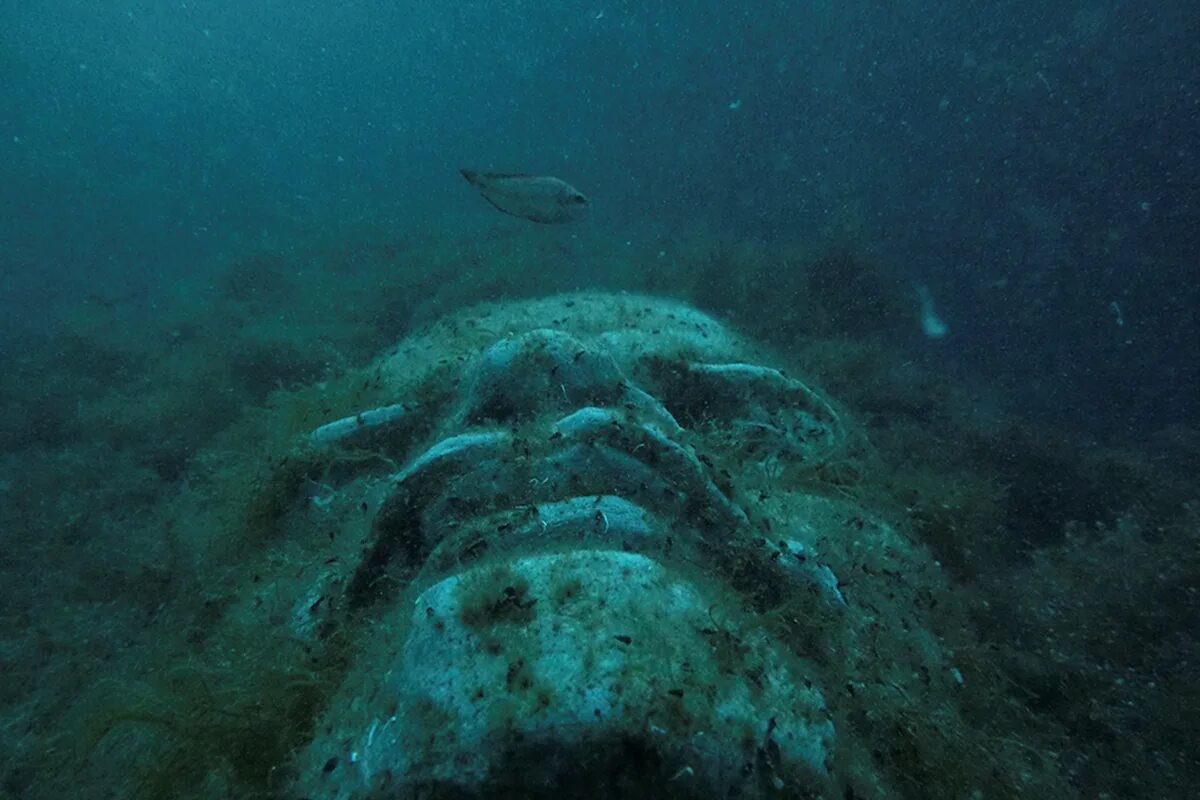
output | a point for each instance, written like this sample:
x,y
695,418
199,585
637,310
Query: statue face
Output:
x,y
600,555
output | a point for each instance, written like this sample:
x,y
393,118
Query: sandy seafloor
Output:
x,y
137,435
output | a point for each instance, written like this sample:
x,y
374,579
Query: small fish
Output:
x,y
539,198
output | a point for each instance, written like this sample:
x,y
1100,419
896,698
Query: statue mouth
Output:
x,y
594,666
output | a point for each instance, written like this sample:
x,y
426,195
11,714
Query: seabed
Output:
x,y
526,516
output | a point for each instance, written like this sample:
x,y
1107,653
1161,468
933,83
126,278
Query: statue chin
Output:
x,y
600,549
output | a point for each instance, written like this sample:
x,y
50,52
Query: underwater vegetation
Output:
x,y
159,455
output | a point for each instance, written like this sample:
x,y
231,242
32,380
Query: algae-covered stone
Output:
x,y
563,652
582,575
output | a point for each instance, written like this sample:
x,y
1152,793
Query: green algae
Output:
x,y
203,464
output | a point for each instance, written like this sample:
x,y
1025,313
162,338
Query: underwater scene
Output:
x,y
595,399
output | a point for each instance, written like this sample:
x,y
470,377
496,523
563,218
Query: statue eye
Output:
x,y
578,199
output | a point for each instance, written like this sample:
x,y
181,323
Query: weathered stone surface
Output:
x,y
588,579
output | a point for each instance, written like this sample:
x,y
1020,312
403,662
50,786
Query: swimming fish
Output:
x,y
539,198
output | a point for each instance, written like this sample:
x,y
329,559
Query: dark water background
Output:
x,y
1033,163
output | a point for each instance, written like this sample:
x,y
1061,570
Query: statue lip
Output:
x,y
548,666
